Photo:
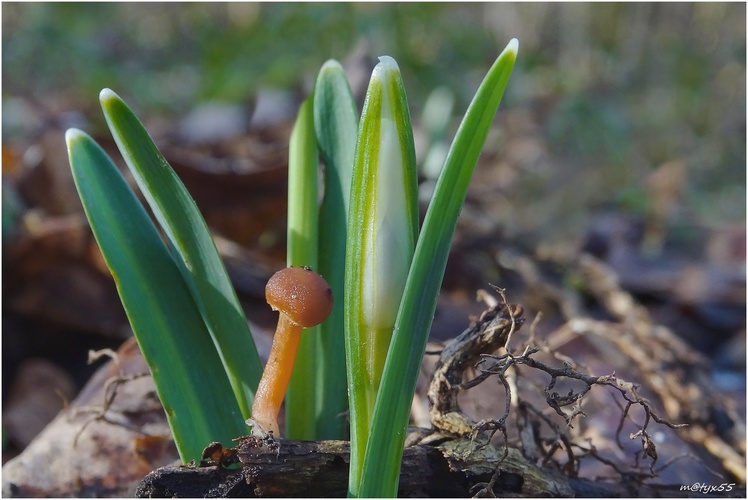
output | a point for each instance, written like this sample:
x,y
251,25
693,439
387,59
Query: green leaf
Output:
x,y
416,313
336,125
193,389
178,215
382,233
303,221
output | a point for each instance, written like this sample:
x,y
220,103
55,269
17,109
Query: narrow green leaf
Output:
x,y
382,233
302,251
193,389
336,124
416,313
178,215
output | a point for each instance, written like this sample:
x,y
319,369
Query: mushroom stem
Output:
x,y
275,378
304,299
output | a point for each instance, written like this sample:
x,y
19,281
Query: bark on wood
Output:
x,y
441,467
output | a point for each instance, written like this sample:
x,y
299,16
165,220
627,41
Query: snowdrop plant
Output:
x,y
363,238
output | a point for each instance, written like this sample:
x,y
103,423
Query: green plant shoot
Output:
x,y
336,126
382,231
185,313
195,393
193,248
301,250
384,451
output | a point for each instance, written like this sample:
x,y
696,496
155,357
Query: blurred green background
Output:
x,y
614,90
622,132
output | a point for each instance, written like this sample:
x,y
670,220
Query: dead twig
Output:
x,y
102,413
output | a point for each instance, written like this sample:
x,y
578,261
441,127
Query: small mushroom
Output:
x,y
304,299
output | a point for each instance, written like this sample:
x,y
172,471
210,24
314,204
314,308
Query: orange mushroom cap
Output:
x,y
300,293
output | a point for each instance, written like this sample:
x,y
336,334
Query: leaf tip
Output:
x,y
331,65
73,133
387,63
512,46
107,95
